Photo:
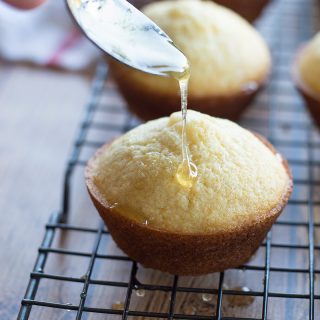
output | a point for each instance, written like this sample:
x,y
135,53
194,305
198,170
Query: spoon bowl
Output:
x,y
126,34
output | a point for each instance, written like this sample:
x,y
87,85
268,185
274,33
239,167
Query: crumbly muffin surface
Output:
x,y
239,178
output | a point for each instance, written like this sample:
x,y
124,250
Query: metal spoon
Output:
x,y
125,33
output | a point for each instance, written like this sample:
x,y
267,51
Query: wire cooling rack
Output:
x,y
80,274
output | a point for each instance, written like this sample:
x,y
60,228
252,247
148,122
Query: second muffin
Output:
x,y
229,62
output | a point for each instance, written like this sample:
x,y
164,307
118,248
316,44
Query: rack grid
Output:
x,y
280,282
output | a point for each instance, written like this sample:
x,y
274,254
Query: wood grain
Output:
x,y
39,113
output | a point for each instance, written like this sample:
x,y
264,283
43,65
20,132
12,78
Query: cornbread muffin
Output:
x,y
229,62
249,9
218,222
306,73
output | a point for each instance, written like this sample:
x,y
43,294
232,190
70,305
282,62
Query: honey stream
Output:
x,y
187,170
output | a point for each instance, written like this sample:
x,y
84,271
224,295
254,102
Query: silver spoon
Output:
x,y
126,34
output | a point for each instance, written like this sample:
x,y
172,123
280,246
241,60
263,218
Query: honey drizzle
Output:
x,y
187,170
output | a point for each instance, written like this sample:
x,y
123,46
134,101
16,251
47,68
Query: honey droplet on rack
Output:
x,y
206,297
240,300
186,174
140,293
68,304
118,305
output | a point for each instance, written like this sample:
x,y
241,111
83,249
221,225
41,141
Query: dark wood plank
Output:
x,y
39,113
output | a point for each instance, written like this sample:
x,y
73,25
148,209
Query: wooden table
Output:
x,y
39,113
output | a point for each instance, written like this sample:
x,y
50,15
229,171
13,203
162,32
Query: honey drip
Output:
x,y
187,170
138,42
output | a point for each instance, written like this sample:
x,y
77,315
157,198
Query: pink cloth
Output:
x,y
45,36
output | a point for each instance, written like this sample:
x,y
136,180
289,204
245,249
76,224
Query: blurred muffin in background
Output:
x,y
229,62
249,9
306,74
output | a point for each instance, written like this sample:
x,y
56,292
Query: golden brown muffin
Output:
x,y
229,62
306,74
217,223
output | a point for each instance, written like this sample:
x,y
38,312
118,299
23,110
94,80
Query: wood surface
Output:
x,y
39,113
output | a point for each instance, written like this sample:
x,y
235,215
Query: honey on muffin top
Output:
x,y
240,179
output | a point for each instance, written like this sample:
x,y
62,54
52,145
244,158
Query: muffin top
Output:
x,y
239,178
226,54
309,64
